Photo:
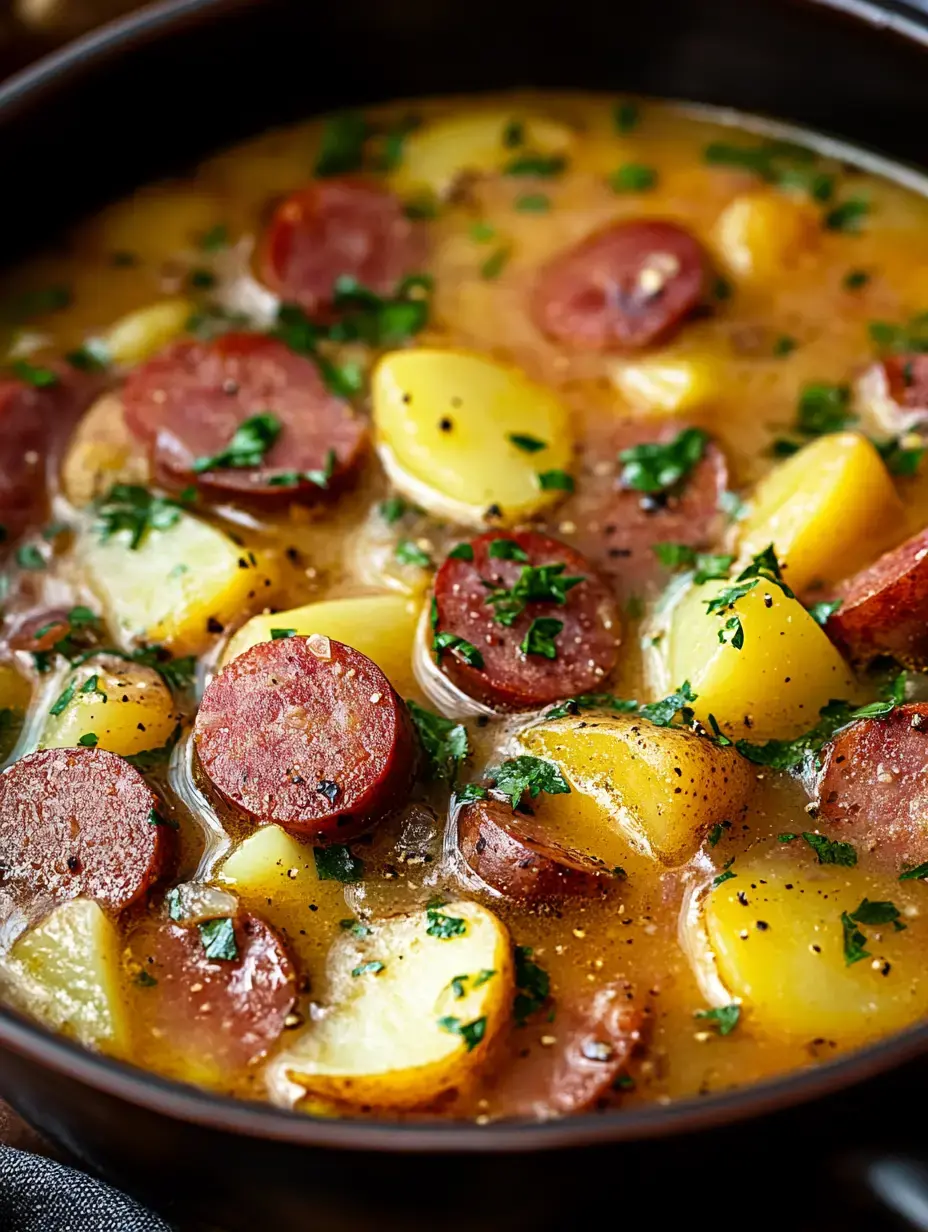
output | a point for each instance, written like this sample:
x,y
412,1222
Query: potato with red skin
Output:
x,y
623,288
339,228
873,791
884,609
309,734
507,852
80,822
594,1036
499,673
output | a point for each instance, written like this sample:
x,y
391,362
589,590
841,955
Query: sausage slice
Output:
x,y
226,1012
623,288
884,609
478,604
617,528
507,852
80,823
338,228
188,402
594,1035
873,784
307,733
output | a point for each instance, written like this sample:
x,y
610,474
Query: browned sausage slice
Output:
x,y
478,602
873,786
188,402
585,1049
622,288
338,228
507,852
307,733
617,528
80,822
884,609
224,1012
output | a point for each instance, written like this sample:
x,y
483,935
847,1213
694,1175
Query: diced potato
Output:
x,y
648,783
775,685
15,693
176,585
669,383
138,335
127,707
436,154
792,975
445,422
381,626
397,1035
761,234
829,510
266,858
66,972
102,451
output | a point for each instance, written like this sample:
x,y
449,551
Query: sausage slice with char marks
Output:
x,y
80,823
188,402
623,288
511,678
307,733
507,853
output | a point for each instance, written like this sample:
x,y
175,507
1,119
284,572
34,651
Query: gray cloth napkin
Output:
x,y
38,1195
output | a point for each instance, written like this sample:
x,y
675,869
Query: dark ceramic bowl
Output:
x,y
146,96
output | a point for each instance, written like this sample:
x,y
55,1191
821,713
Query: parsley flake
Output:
x,y
249,444
218,938
443,741
529,774
656,467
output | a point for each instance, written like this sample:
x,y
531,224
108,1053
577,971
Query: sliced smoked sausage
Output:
x,y
873,788
508,853
219,1012
307,733
338,228
884,609
80,822
616,528
585,1049
623,288
188,402
523,622
906,378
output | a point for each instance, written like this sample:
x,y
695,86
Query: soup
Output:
x,y
465,602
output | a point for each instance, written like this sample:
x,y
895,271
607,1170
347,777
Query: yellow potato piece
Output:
x,y
792,975
66,972
775,685
461,470
127,707
398,1036
15,693
435,155
829,510
102,451
658,789
138,335
761,234
382,627
175,585
669,384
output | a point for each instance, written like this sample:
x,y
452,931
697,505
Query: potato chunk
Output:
x,y
101,452
127,707
761,234
449,426
138,335
413,1008
792,974
66,972
828,511
670,383
435,155
382,627
658,788
15,694
775,685
177,586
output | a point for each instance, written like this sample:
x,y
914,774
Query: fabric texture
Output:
x,y
39,1195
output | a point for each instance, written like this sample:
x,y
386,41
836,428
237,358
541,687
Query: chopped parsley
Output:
x,y
443,741
506,549
250,442
902,455
35,374
461,551
495,263
444,927
777,162
375,319
917,873
482,232
545,166
831,851
29,557
342,146
336,863
151,759
820,612
527,443
854,941
724,1017
277,635
848,216
355,927
145,979
392,509
535,584
409,553
218,938
663,713
369,968
476,981
655,467
459,647
625,116
555,481
764,567
35,304
89,740
725,875
533,203
633,177
64,699
789,754
534,775
823,408
913,336
854,279
533,985
215,239
130,507
541,636
585,701
92,356
470,793
784,345
682,556
470,1032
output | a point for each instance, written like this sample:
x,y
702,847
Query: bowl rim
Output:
x,y
179,1101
